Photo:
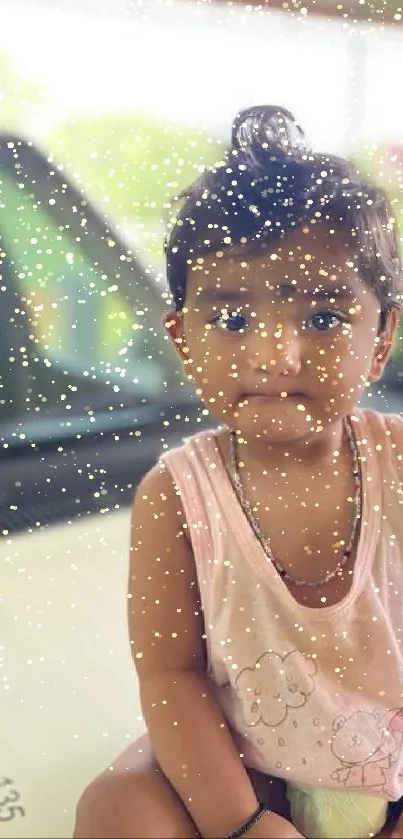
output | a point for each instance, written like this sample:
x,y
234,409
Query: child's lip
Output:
x,y
273,394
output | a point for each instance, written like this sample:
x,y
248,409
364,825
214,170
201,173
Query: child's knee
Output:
x,y
98,808
131,804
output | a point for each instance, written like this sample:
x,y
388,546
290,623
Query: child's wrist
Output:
x,y
272,826
248,824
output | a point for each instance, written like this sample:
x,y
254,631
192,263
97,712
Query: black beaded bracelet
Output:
x,y
259,812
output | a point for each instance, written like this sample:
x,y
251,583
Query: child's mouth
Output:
x,y
271,396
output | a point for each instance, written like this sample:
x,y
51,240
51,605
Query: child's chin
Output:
x,y
278,430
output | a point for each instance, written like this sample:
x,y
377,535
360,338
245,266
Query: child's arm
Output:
x,y
188,733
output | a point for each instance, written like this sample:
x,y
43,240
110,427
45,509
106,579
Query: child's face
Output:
x,y
281,345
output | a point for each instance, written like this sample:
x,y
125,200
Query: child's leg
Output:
x,y
134,799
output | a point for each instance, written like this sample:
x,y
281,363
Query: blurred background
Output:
x,y
107,109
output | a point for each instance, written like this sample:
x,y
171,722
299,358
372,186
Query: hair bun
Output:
x,y
271,128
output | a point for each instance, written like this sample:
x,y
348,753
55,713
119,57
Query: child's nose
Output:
x,y
278,352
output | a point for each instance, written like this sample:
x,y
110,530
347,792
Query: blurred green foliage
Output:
x,y
20,97
132,165
383,163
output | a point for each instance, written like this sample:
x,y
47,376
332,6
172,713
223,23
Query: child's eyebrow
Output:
x,y
209,295
328,294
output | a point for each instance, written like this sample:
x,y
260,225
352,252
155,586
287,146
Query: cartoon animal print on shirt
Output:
x,y
273,685
366,744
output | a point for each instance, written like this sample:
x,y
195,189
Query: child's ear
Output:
x,y
384,346
173,323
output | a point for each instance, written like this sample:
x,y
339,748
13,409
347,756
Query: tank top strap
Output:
x,y
386,431
190,466
385,441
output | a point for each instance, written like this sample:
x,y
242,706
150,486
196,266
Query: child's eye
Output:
x,y
323,321
230,321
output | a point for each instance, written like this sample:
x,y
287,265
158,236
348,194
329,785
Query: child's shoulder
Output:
x,y
199,440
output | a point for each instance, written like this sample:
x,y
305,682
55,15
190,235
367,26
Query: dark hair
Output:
x,y
270,183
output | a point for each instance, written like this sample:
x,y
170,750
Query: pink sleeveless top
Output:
x,y
312,695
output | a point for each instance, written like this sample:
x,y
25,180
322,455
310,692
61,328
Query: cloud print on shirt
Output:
x,y
274,684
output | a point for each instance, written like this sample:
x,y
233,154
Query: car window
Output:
x,y
83,315
75,310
